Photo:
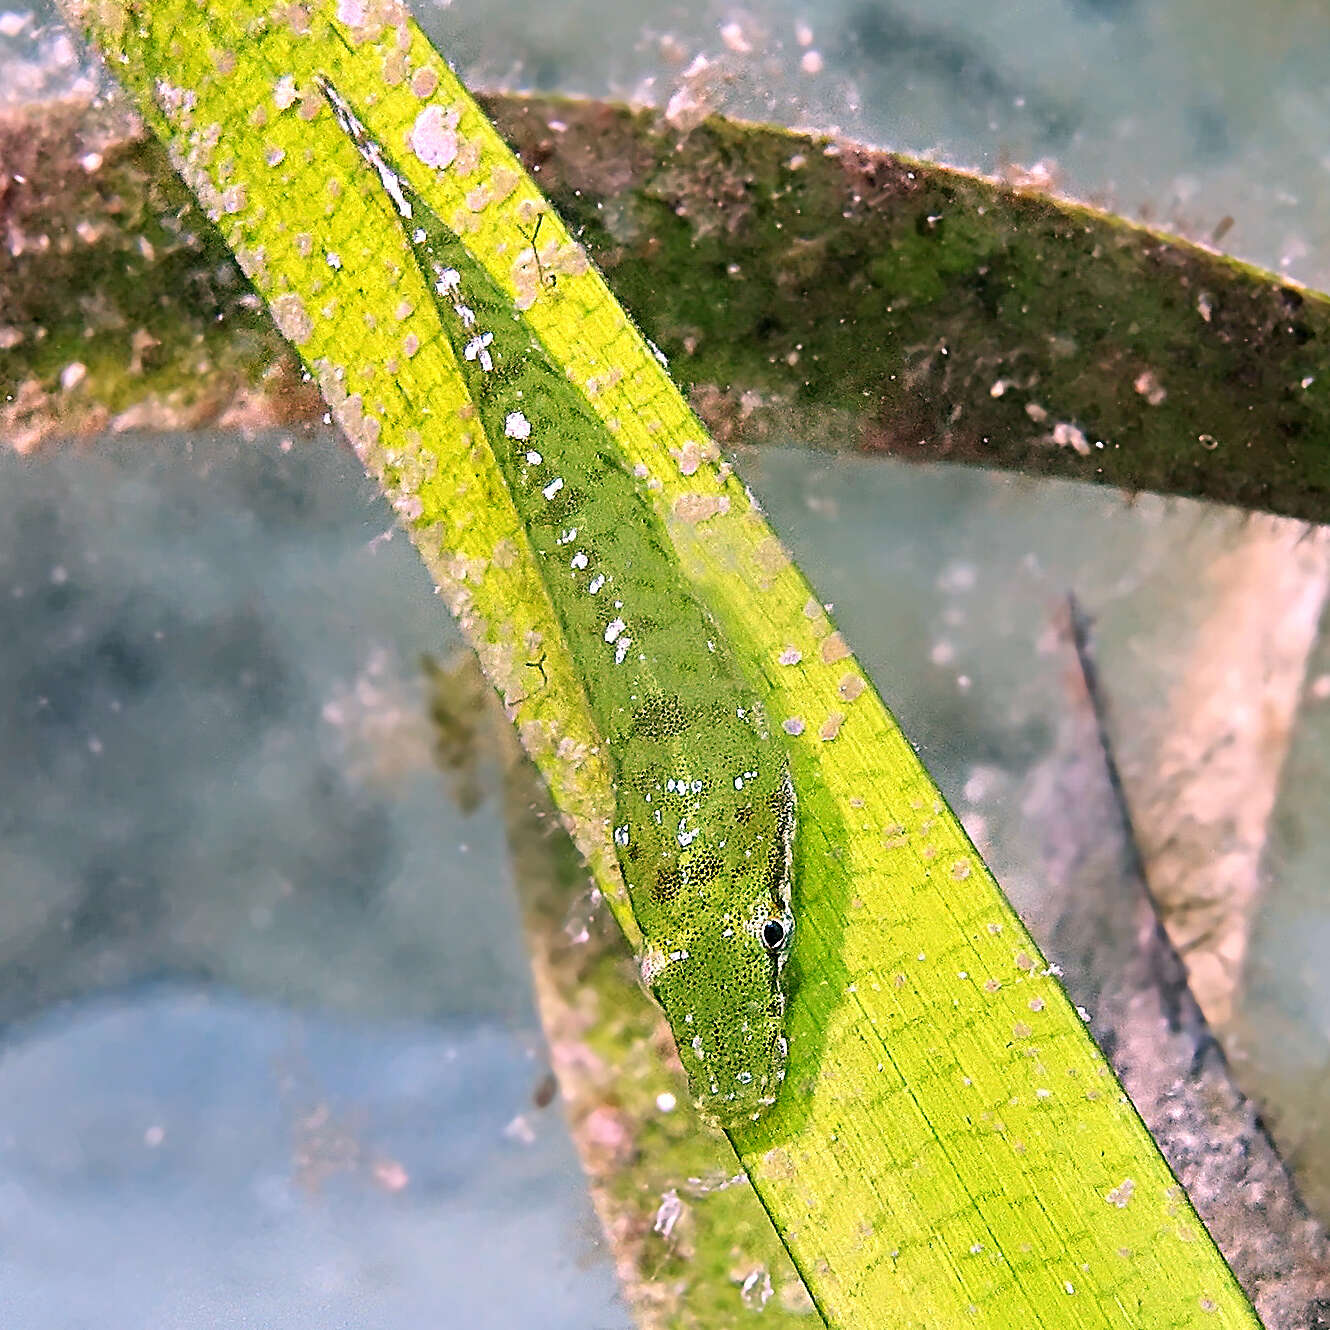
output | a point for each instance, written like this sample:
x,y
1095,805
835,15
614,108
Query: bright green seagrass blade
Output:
x,y
949,1148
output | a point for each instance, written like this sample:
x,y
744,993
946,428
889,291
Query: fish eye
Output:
x,y
773,934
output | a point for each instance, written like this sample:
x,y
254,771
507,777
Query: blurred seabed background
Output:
x,y
270,1050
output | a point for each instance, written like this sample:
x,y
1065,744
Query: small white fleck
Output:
x,y
671,1207
519,1130
666,1102
1067,435
1121,1194
733,37
553,487
334,260
517,426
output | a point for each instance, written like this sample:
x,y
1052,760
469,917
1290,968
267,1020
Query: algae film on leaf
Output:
x,y
704,819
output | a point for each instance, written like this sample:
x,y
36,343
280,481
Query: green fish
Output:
x,y
704,819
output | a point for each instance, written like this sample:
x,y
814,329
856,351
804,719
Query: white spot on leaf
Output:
x,y
433,140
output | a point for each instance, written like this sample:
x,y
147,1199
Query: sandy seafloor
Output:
x,y
268,1042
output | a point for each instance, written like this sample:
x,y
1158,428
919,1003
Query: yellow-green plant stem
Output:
x,y
949,1149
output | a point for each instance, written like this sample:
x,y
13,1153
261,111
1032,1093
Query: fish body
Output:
x,y
704,819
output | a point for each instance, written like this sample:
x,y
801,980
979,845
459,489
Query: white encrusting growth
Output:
x,y
613,629
517,426
534,458
580,560
553,487
596,583
434,139
477,349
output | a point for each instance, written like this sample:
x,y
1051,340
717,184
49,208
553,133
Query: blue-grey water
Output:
x,y
185,1155
268,1049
